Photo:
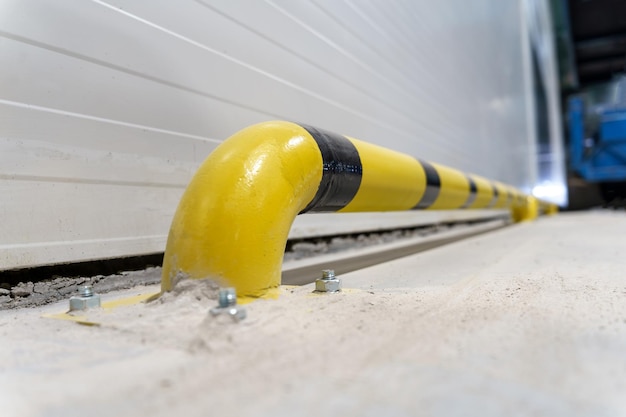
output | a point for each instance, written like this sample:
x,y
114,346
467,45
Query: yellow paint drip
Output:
x,y
128,301
81,318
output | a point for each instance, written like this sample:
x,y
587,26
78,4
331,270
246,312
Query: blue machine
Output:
x,y
597,143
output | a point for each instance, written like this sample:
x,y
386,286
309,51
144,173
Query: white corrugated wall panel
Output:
x,y
108,107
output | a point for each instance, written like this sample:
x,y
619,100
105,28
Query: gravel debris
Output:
x,y
28,294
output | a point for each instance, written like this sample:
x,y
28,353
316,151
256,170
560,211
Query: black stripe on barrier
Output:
x,y
342,171
472,192
433,185
494,199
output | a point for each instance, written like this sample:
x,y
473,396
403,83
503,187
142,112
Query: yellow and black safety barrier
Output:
x,y
233,220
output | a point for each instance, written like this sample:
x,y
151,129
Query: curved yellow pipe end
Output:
x,y
551,209
233,220
527,210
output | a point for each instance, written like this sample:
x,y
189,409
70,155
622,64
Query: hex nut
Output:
x,y
80,302
227,305
328,285
227,297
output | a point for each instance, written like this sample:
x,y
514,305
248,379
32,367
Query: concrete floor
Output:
x,y
529,320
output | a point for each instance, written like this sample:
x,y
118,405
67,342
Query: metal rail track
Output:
x,y
305,271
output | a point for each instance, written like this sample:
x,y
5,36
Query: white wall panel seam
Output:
x,y
397,87
398,40
79,242
438,144
132,72
409,117
105,120
287,83
343,51
399,70
322,67
129,71
422,75
48,178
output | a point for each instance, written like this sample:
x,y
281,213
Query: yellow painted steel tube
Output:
x,y
233,220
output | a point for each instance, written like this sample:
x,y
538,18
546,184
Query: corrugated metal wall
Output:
x,y
107,108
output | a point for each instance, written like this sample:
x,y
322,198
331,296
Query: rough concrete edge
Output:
x,y
29,294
